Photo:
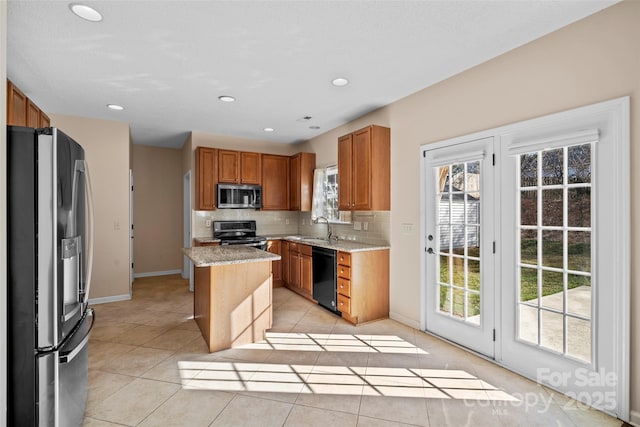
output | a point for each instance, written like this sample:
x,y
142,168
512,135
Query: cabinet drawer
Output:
x,y
344,287
344,304
305,249
344,271
344,258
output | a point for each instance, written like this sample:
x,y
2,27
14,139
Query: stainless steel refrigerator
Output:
x,y
49,238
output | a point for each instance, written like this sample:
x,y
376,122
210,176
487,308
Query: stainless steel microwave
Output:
x,y
236,196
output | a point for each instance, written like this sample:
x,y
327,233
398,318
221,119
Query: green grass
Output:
x,y
552,282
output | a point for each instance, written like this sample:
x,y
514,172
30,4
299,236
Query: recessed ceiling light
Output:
x,y
85,12
340,81
314,127
115,107
268,129
226,98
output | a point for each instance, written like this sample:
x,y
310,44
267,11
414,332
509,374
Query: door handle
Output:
x,y
430,250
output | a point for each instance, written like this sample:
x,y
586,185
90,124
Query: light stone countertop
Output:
x,y
338,245
208,256
206,240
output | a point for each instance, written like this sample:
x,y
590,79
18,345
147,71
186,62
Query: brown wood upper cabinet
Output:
x,y
250,168
364,170
275,182
21,111
228,166
239,167
301,191
206,173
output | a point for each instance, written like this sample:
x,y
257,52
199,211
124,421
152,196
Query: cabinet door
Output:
x,y
16,106
206,162
294,191
306,274
274,246
45,122
345,198
33,114
275,182
361,163
228,166
250,168
294,269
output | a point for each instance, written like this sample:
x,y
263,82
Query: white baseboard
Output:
x,y
404,320
105,300
634,418
157,273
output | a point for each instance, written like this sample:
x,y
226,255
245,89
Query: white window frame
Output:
x,y
616,114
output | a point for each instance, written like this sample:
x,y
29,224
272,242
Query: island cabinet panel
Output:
x,y
301,181
250,168
228,166
232,303
275,182
363,285
306,272
275,247
206,174
365,169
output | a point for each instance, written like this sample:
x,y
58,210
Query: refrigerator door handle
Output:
x,y
68,357
81,166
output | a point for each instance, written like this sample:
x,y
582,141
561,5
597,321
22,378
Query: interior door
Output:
x,y
460,244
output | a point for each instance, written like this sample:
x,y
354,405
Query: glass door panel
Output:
x,y
459,220
554,259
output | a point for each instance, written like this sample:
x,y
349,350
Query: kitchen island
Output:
x,y
232,294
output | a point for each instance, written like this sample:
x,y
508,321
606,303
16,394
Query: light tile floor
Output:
x,y
149,366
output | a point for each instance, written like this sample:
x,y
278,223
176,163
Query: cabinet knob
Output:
x,y
341,286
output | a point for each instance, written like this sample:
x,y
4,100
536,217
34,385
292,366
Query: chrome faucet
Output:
x,y
317,221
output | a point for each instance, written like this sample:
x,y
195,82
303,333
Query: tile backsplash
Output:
x,y
372,227
367,227
267,222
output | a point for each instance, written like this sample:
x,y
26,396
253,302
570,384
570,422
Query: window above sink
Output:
x,y
325,196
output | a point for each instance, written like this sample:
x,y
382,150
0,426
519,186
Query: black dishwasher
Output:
x,y
324,277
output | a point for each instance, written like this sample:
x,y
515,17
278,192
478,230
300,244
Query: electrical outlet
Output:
x,y
303,221
286,221
365,225
357,225
208,223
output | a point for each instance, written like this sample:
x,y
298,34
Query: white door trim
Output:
x,y
617,110
187,269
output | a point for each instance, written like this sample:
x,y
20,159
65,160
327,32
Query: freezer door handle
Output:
x,y
82,167
67,357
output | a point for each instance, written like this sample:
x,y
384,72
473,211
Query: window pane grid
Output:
x,y
458,225
558,182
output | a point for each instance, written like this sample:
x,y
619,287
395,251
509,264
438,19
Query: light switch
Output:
x,y
357,225
407,228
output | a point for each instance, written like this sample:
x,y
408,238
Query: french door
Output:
x,y
459,245
527,257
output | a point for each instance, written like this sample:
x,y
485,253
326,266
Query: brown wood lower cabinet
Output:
x,y
363,285
275,247
299,269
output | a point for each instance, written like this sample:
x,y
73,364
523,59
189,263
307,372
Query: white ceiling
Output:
x,y
168,61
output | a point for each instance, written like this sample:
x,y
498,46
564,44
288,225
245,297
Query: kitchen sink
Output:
x,y
316,240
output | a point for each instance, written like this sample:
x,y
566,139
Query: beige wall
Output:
x,y
593,60
106,145
157,209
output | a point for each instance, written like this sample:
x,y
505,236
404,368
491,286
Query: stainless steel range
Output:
x,y
238,233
